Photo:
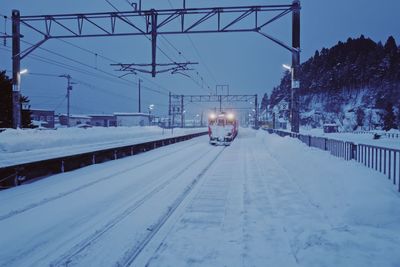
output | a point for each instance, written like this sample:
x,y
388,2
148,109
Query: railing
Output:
x,y
388,135
382,159
16,174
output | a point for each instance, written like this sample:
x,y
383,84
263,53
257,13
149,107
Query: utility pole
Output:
x,y
256,112
140,109
16,61
182,113
69,88
169,110
295,117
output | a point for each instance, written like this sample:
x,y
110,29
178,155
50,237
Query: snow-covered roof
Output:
x,y
37,109
101,115
131,114
78,116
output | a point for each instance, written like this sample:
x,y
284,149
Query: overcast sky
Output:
x,y
248,62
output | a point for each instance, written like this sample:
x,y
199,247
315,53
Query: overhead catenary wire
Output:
x,y
158,47
83,71
129,83
198,54
116,62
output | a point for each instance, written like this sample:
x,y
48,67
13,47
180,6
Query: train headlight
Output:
x,y
230,116
212,116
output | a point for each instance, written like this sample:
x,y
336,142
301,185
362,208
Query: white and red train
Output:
x,y
222,128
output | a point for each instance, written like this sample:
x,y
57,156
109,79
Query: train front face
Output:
x,y
221,128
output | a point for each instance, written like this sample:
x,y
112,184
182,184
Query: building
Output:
x,y
103,120
42,118
331,128
75,120
132,119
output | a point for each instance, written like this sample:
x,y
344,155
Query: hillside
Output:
x,y
355,84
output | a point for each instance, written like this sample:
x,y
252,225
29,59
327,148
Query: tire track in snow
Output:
x,y
84,186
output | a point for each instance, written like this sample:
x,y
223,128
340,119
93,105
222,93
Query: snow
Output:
x,y
22,146
357,138
263,201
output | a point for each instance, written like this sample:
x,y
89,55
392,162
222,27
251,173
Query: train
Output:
x,y
222,128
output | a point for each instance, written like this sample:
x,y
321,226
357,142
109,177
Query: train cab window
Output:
x,y
221,122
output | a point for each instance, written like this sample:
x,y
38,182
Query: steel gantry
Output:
x,y
177,104
154,22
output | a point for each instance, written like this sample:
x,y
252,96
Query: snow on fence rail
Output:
x,y
386,134
14,175
382,159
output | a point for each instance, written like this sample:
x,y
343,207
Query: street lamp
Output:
x,y
294,121
151,107
16,100
287,67
24,71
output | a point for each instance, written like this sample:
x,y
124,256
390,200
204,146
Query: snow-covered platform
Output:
x,y
263,201
29,145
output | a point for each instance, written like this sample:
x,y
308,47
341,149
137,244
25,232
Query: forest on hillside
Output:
x,y
355,84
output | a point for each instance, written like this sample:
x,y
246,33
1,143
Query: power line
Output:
x,y
198,54
148,38
82,71
164,38
114,61
75,61
200,57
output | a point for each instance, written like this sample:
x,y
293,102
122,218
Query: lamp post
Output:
x,y
16,99
294,120
151,107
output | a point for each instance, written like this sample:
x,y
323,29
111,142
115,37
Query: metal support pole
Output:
x,y
220,103
139,104
295,118
16,60
182,112
256,112
68,100
69,88
153,42
273,121
169,110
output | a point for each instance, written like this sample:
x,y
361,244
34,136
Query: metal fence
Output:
x,y
382,159
14,175
386,134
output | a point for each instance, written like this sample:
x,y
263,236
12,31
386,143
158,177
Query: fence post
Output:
x,y
354,151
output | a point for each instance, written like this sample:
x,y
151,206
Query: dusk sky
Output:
x,y
248,62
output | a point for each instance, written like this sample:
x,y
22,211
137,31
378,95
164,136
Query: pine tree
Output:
x,y
349,68
5,101
389,119
6,105
360,117
26,121
264,102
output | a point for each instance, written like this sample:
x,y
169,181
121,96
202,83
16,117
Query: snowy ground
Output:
x,y
263,201
22,146
364,138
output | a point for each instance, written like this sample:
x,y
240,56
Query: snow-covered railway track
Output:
x,y
134,252
78,251
47,199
